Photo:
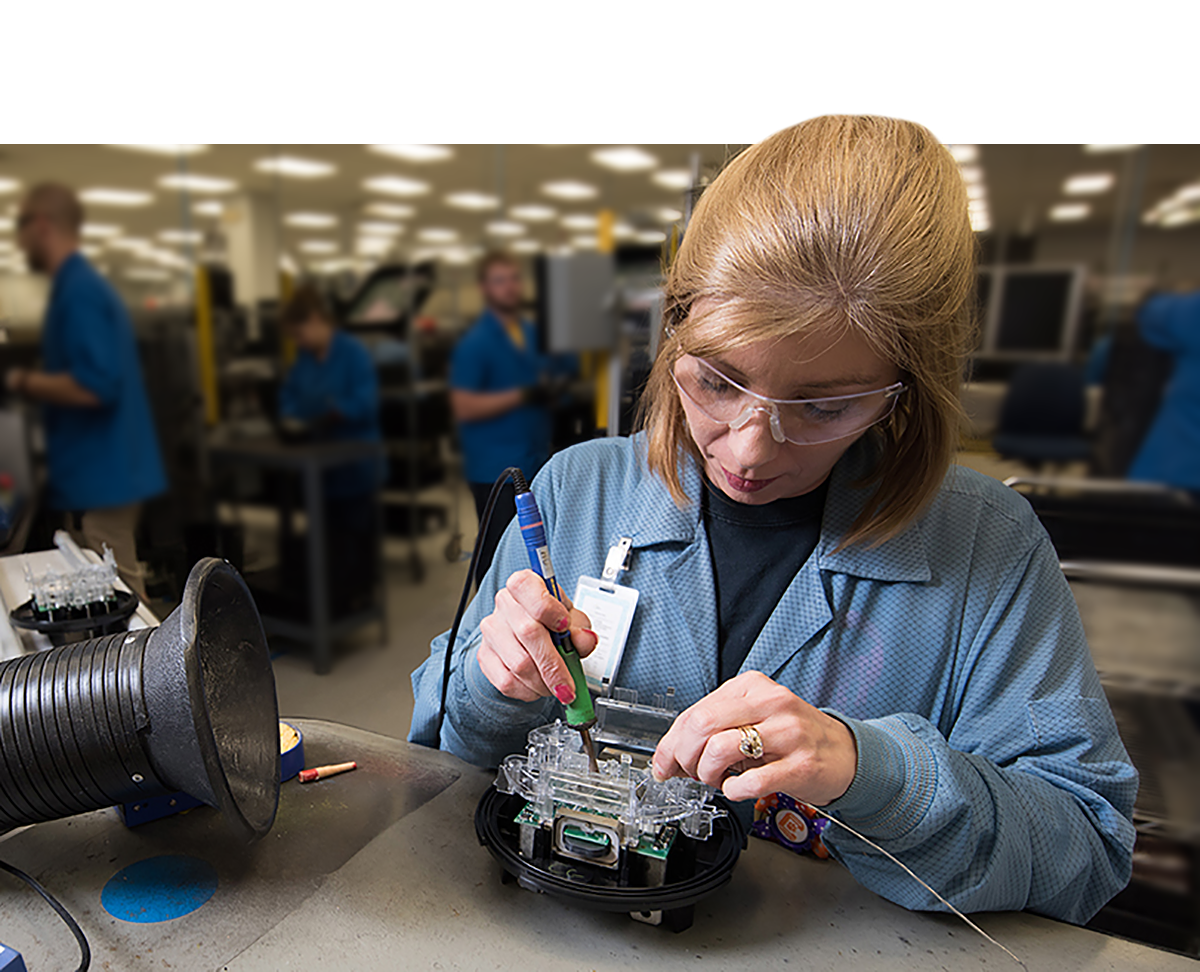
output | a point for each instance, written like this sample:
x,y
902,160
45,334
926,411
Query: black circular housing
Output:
x,y
92,625
695,868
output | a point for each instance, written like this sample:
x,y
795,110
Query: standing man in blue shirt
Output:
x,y
101,446
500,395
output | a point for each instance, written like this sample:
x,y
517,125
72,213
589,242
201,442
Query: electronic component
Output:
x,y
612,838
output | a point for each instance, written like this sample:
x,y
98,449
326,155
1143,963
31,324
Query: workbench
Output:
x,y
310,461
380,869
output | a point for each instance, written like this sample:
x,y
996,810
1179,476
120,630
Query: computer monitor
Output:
x,y
1030,313
575,300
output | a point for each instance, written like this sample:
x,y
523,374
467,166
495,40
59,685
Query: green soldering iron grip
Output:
x,y
580,714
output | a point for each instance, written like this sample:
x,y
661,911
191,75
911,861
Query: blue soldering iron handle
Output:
x,y
580,713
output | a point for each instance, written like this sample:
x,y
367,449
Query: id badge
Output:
x,y
609,607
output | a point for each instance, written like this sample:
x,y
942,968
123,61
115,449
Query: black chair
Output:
x,y
1042,418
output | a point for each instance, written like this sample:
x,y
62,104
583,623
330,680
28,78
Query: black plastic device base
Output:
x,y
695,868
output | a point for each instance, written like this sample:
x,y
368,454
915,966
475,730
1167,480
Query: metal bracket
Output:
x,y
617,559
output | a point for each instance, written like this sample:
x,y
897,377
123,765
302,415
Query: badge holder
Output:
x,y
610,607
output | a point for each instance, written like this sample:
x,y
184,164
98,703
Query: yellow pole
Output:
x,y
287,347
206,349
605,243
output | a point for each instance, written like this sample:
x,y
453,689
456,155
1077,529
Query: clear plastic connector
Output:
x,y
554,777
84,588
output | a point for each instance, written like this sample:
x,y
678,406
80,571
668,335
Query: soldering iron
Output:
x,y
581,716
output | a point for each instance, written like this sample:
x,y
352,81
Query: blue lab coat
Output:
x,y
346,383
106,456
486,360
1170,452
989,760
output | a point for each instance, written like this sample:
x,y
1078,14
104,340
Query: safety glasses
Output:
x,y
803,421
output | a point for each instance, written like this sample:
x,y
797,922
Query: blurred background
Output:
x,y
1074,395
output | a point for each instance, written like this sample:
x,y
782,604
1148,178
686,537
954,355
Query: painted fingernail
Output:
x,y
656,772
564,693
564,624
589,631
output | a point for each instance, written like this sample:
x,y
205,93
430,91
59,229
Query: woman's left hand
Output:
x,y
806,754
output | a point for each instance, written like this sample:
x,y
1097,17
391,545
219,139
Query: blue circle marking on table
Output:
x,y
159,888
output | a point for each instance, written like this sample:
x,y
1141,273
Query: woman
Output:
x,y
895,631
331,394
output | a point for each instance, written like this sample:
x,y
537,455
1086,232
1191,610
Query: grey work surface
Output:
x,y
380,869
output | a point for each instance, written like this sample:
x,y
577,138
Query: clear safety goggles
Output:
x,y
803,421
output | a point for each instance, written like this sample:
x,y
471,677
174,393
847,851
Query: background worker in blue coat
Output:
x,y
101,445
1170,452
502,390
331,394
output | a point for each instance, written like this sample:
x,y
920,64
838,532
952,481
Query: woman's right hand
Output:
x,y
517,655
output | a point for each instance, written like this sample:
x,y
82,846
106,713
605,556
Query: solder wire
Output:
x,y
912,874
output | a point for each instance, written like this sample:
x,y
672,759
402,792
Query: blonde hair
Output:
x,y
841,223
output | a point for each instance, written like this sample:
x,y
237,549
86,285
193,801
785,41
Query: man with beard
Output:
x,y
500,394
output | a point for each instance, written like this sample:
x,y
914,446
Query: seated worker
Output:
x,y
1170,452
332,391
499,394
814,573
101,445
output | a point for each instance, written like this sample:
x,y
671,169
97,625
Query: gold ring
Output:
x,y
751,744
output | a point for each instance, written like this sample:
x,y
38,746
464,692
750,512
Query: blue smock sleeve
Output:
x,y
93,348
356,391
1026,802
482,726
468,365
1171,322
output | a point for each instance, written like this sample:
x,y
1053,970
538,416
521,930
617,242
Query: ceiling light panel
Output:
x,y
533,213
504,227
210,207
1069,212
295,167
579,221
318,246
379,228
668,215
95,231
526,246
415,153
181,236
311,220
391,210
1089,183
570,189
1105,149
473,200
625,158
174,150
102,196
372,246
584,242
437,234
964,154
677,179
8,185
650,237
191,182
394,185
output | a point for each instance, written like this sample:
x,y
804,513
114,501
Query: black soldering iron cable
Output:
x,y
85,959
485,521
